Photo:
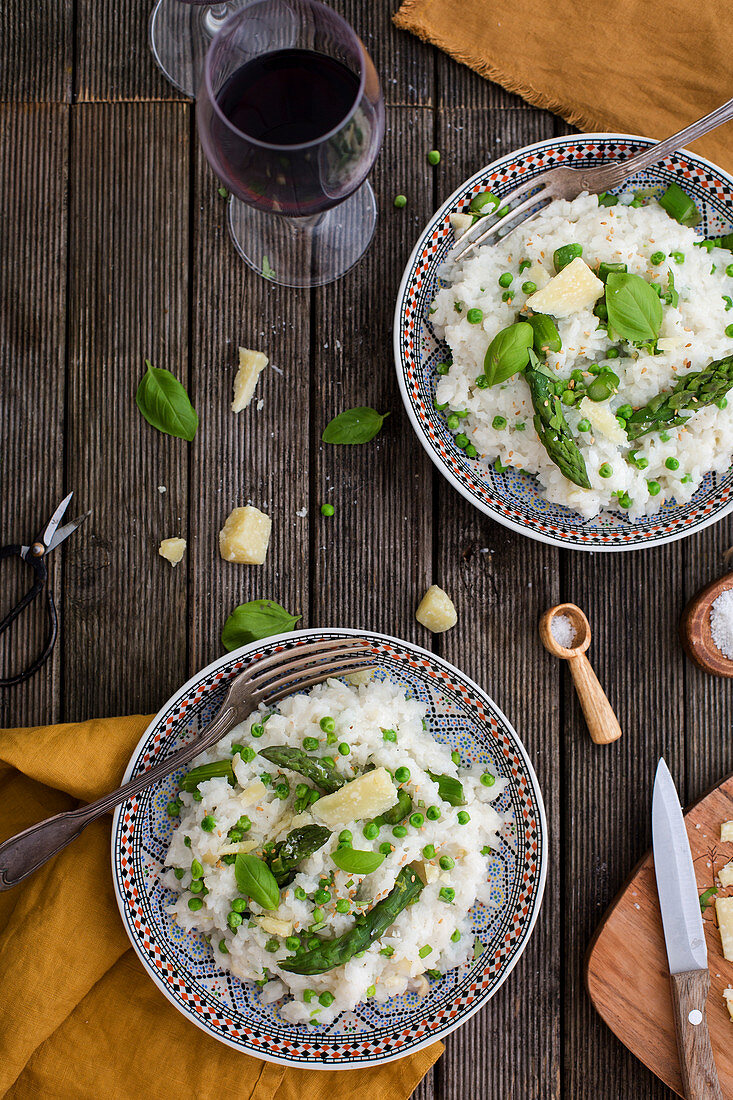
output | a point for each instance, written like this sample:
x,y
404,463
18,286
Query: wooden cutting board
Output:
x,y
626,966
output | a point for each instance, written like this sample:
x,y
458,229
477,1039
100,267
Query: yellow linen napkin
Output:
x,y
79,1017
634,66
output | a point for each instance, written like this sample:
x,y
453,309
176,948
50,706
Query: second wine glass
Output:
x,y
291,117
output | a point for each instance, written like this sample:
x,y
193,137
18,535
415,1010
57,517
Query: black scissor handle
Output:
x,y
38,565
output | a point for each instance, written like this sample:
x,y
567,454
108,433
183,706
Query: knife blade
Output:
x,y
684,938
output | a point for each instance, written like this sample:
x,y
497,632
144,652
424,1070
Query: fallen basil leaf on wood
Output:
x,y
355,861
634,310
508,352
354,426
255,880
165,404
254,620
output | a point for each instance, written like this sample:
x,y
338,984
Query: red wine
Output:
x,y
296,102
289,97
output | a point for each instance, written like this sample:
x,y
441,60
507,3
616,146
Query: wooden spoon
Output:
x,y
695,632
602,722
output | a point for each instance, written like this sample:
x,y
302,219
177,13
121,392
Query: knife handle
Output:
x,y
689,996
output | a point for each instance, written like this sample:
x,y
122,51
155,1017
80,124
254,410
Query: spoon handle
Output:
x,y
602,722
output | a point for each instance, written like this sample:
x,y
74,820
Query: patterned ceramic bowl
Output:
x,y
512,498
181,964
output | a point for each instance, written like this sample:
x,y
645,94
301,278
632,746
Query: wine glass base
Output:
x,y
304,251
180,35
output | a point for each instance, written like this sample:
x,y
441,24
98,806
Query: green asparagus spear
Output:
x,y
691,393
321,773
368,928
302,797
216,770
398,812
450,789
551,425
298,845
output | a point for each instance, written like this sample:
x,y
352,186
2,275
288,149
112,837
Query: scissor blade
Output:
x,y
47,536
66,530
676,885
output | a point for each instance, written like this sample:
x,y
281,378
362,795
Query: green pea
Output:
x,y
665,437
310,744
327,509
386,848
653,487
599,390
272,945
244,824
417,820
433,157
638,460
471,451
678,257
399,831
197,796
266,778
327,724
313,796
292,943
461,440
344,748
672,463
524,266
453,422
318,914
239,905
624,500
343,906
578,377
173,808
371,831
565,255
447,863
300,893
234,920
428,851
502,211
455,937
208,824
506,279
605,470
194,904
326,999
624,411
187,841
487,779
722,403
345,836
729,331
447,894
482,200
657,257
529,287
432,813
400,201
223,947
482,382
197,886
197,870
371,990
179,872
569,397
507,295
612,353
475,316
402,775
584,425
442,369
322,897
463,817
389,735
498,423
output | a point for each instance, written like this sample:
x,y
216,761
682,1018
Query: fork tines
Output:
x,y
525,198
305,666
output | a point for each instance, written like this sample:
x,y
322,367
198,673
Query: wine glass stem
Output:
x,y
213,18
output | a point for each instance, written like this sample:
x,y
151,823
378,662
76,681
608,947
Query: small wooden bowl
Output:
x,y
695,632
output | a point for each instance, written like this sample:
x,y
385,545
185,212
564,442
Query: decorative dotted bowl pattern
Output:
x,y
181,964
512,498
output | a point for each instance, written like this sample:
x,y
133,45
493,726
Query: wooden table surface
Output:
x,y
113,248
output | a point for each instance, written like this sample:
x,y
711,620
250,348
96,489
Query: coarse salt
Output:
x,y
562,630
721,622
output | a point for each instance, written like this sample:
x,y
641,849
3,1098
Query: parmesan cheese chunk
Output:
x,y
571,290
251,366
245,536
172,550
369,795
460,222
603,420
253,793
725,875
728,994
724,911
235,849
536,274
726,830
275,926
436,610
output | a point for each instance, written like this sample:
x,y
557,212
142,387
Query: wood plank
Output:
x,y
126,618
462,88
501,583
259,456
406,66
33,182
36,51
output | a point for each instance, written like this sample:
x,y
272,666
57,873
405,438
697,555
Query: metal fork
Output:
x,y
568,183
266,681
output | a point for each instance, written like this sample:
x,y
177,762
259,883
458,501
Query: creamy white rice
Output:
x,y
693,334
431,934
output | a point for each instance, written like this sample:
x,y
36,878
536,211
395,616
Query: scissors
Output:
x,y
35,556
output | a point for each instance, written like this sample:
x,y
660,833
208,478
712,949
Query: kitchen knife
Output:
x,y
684,938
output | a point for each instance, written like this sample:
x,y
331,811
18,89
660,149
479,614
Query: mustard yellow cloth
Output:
x,y
78,1015
645,67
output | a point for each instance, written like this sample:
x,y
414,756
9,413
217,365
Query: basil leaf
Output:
x,y
254,620
255,880
164,403
354,426
634,310
449,789
706,897
357,862
507,354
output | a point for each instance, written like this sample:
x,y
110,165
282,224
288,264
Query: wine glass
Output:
x,y
180,34
291,117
